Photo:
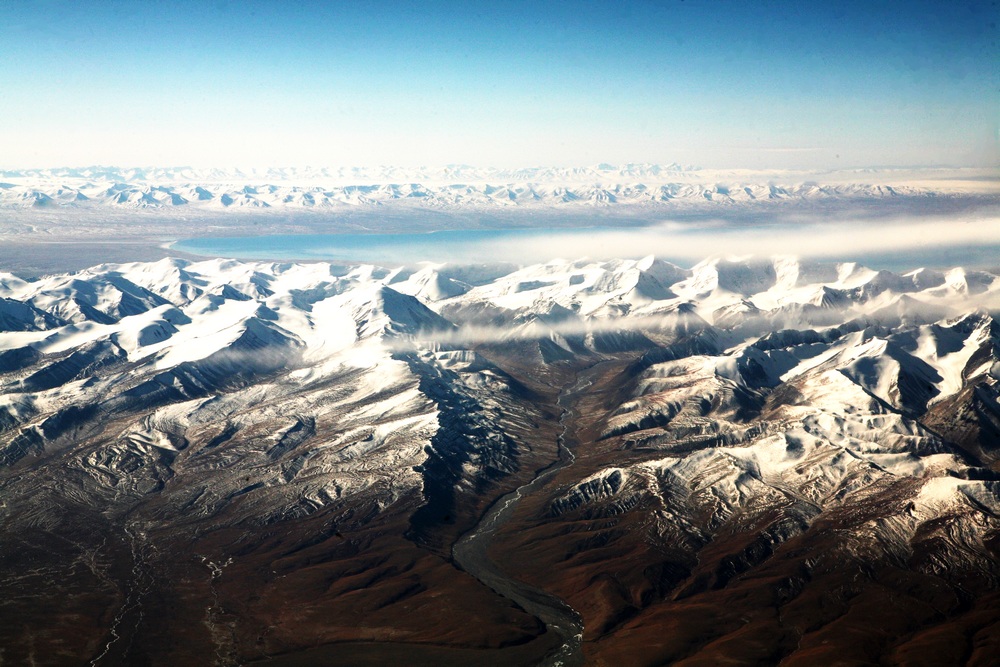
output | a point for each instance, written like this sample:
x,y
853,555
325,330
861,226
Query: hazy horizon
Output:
x,y
681,168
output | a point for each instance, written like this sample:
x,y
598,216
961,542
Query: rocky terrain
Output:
x,y
750,461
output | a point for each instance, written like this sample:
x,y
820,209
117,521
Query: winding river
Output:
x,y
470,552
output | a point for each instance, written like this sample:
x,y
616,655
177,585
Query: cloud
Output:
x,y
474,334
852,240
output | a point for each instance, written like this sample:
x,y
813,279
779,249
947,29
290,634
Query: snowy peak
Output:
x,y
783,318
428,284
390,313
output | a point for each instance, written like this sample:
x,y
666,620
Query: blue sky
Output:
x,y
719,84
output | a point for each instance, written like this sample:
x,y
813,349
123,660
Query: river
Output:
x,y
471,551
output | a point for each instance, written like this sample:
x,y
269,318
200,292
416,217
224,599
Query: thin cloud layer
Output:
x,y
822,241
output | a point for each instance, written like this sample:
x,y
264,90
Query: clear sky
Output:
x,y
759,84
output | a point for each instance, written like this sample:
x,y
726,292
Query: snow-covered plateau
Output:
x,y
224,462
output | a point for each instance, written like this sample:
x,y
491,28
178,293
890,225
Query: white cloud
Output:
x,y
820,240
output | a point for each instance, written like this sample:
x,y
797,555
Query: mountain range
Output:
x,y
456,186
749,461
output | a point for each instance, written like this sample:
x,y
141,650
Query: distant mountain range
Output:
x,y
123,195
463,187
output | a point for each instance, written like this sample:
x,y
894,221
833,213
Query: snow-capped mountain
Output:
x,y
456,186
304,461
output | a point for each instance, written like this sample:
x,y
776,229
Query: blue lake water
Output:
x,y
472,245
536,245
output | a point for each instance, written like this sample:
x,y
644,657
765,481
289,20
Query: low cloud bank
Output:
x,y
821,240
475,334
